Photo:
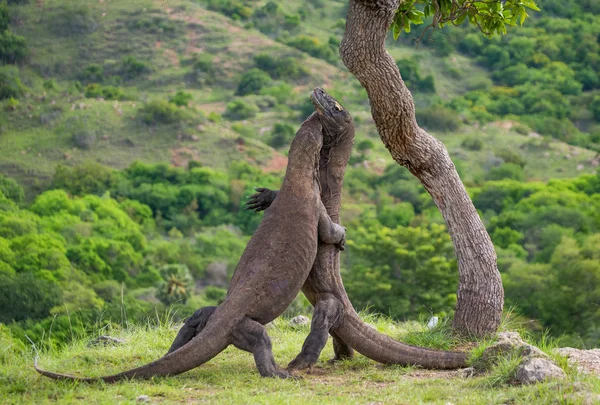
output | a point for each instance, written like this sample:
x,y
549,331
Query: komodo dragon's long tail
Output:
x,y
379,347
206,345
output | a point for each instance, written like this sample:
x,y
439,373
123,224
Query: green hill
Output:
x,y
91,68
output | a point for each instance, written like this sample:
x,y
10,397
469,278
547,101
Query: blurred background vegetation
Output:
x,y
131,133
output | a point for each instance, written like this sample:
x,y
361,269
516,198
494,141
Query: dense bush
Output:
x,y
161,112
11,189
240,110
281,135
13,48
95,90
313,47
73,19
203,69
252,82
472,143
181,98
10,83
438,118
131,67
236,9
281,68
409,69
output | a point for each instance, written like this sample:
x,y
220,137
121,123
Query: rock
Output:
x,y
299,321
466,372
106,341
532,351
507,342
143,398
587,361
580,167
195,138
536,369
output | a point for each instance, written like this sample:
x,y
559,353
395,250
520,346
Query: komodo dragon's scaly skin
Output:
x,y
333,311
270,273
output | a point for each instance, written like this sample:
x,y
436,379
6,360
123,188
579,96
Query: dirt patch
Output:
x,y
180,157
172,56
218,107
277,163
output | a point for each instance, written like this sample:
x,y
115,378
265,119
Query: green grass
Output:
x,y
232,377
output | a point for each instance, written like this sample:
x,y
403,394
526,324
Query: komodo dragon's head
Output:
x,y
334,117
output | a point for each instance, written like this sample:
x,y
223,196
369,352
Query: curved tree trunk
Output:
x,y
480,293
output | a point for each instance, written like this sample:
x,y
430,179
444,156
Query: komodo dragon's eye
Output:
x,y
338,106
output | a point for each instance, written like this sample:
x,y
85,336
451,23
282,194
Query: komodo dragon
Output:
x,y
269,275
333,312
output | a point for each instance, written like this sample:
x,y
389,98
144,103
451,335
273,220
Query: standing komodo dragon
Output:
x,y
269,275
333,311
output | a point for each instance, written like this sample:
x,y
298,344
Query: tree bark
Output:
x,y
480,294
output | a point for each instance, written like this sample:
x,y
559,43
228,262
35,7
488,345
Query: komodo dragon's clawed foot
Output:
x,y
302,362
261,200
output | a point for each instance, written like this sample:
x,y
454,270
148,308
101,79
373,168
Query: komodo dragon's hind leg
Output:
x,y
341,349
252,337
327,315
192,326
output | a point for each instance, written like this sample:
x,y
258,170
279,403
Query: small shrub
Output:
x,y
95,90
50,85
240,110
365,145
73,19
203,69
438,118
215,294
244,130
11,104
281,135
511,157
313,47
506,171
131,67
281,68
4,17
84,139
252,82
214,117
10,83
93,73
235,9
181,98
13,48
11,189
472,143
177,284
409,69
160,112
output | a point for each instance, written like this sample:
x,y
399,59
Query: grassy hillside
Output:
x,y
147,50
232,377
